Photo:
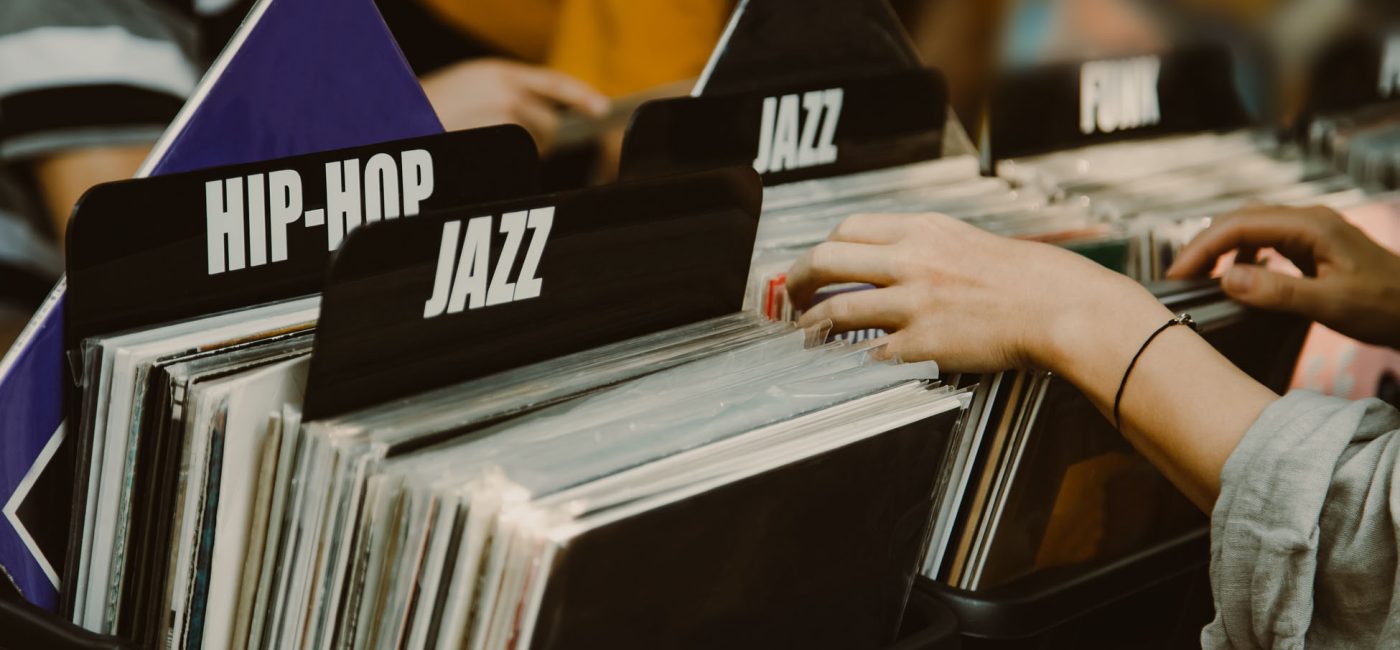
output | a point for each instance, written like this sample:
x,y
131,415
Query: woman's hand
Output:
x,y
486,92
1350,283
974,301
969,299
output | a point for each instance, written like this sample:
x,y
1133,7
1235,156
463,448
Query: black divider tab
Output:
x,y
1356,71
160,249
418,304
783,42
794,132
1063,106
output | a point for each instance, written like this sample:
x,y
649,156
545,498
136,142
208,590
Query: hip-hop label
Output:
x,y
248,217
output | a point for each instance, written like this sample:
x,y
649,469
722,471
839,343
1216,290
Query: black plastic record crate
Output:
x,y
1156,598
928,625
26,627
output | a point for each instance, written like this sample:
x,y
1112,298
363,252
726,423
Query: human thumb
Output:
x,y
1259,287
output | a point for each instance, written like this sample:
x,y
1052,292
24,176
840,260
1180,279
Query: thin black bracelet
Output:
x,y
1183,319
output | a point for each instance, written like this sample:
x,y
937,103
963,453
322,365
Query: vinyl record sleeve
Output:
x,y
112,444
204,426
277,524
1081,495
626,586
253,396
513,574
158,469
259,532
974,508
1064,500
959,471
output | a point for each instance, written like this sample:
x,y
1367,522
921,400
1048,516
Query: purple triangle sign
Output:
x,y
300,76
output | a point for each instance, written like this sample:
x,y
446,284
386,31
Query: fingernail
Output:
x,y
1239,279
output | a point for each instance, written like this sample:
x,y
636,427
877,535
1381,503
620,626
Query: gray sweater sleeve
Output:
x,y
1304,535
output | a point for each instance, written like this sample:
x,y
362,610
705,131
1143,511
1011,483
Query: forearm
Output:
x,y
1184,406
946,292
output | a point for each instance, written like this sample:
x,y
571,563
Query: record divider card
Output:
x,y
774,43
1069,105
799,90
419,304
794,131
140,254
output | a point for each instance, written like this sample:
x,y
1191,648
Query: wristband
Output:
x,y
1183,319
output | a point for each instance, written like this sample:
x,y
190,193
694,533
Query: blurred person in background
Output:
x,y
541,64
527,61
86,87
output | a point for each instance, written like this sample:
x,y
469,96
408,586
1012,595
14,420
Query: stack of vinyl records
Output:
x,y
179,418
191,351
684,505
542,422
800,215
1364,144
1154,144
1164,190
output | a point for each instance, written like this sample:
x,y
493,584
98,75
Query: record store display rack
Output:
x,y
396,396
477,435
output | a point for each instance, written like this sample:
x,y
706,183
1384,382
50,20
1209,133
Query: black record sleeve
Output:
x,y
819,553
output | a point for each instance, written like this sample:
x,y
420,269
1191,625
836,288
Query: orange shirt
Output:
x,y
618,46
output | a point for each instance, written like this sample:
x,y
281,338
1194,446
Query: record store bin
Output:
x,y
1039,526
661,257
